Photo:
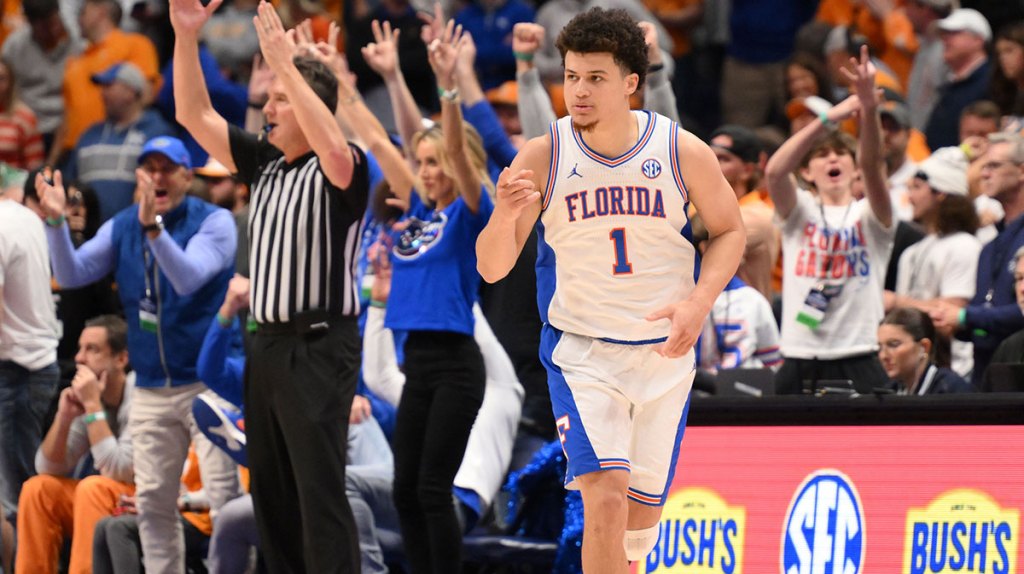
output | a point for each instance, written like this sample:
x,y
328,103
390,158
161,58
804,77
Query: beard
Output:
x,y
584,128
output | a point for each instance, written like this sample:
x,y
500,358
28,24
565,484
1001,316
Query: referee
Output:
x,y
308,195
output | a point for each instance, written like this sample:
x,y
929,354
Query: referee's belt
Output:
x,y
304,322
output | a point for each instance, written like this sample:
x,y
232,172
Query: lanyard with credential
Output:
x,y
148,311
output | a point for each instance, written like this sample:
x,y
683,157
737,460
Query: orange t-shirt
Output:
x,y
83,103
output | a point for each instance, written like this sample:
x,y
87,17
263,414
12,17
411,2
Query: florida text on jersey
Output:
x,y
613,245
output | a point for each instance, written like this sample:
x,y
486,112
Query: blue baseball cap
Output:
x,y
125,73
171,148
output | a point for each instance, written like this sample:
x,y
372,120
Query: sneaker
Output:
x,y
223,425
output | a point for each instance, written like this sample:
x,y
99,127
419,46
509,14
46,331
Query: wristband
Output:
x,y
350,100
823,116
255,106
223,321
96,416
378,304
655,68
523,56
55,221
961,317
451,95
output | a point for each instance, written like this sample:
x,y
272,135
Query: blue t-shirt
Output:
x,y
434,280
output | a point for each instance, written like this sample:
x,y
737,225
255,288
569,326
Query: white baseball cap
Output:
x,y
945,171
967,20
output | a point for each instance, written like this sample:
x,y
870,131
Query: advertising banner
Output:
x,y
844,500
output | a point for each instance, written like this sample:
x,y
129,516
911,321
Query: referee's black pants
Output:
x,y
443,391
298,394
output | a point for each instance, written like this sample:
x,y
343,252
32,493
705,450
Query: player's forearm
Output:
x,y
718,266
496,249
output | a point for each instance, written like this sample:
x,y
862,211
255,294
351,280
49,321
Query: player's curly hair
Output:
x,y
613,31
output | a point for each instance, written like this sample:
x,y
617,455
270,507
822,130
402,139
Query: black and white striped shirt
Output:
x,y
304,232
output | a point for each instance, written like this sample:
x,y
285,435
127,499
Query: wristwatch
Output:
x,y
157,225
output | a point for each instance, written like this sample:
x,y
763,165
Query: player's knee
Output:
x,y
639,543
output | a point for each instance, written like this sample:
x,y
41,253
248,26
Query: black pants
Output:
x,y
444,389
297,399
865,371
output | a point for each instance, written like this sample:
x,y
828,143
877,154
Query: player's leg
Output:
x,y
658,426
593,423
604,521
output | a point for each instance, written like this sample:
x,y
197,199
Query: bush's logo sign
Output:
x,y
963,530
824,529
700,534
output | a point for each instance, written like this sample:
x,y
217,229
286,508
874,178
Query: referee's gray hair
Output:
x,y
1016,145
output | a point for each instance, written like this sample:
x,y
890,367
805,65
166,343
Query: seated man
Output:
x,y
92,419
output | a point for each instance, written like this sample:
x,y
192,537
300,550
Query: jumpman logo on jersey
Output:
x,y
574,172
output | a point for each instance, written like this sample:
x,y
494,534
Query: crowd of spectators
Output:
x,y
876,148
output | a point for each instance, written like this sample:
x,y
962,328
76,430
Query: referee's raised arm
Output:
x,y
193,108
314,116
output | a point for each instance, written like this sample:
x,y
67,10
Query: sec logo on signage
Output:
x,y
824,529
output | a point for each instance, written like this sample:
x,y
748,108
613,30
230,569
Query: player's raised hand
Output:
x,y
514,193
687,319
189,16
527,37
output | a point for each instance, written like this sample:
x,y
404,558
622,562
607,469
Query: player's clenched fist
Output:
x,y
515,192
527,37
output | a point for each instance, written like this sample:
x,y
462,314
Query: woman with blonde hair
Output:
x,y
433,289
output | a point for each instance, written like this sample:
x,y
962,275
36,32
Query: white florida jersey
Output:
x,y
611,246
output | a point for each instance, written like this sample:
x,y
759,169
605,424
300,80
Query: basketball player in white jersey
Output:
x,y
607,190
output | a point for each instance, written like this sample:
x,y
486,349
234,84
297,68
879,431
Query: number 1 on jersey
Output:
x,y
622,265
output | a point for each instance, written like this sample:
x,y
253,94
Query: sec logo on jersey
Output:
x,y
824,529
651,168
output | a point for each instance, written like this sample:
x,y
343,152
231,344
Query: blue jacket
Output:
x,y
988,321
167,357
